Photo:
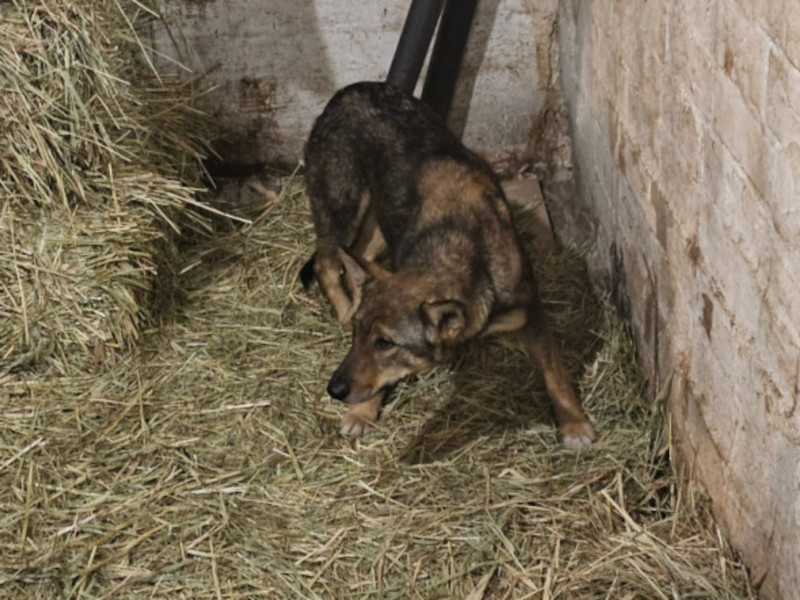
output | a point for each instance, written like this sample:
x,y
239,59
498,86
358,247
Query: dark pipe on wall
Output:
x,y
451,40
423,15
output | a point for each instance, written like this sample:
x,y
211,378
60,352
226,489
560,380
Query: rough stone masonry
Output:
x,y
686,123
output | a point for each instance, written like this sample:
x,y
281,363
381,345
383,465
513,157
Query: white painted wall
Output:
x,y
274,63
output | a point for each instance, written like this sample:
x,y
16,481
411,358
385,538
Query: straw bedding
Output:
x,y
209,464
97,163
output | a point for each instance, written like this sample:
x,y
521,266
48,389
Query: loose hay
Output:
x,y
211,465
97,162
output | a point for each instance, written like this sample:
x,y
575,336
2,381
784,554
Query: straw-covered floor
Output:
x,y
209,464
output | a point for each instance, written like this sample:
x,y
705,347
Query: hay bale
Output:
x,y
99,161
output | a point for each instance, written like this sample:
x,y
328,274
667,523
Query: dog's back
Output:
x,y
374,138
437,204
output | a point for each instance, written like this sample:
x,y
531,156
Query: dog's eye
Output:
x,y
383,344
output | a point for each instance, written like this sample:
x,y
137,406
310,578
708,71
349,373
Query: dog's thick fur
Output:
x,y
385,174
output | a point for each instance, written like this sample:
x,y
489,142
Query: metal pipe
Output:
x,y
414,43
451,40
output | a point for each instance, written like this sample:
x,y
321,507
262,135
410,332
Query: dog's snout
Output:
x,y
338,387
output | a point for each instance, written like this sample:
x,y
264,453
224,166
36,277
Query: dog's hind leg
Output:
x,y
339,213
327,268
369,243
574,425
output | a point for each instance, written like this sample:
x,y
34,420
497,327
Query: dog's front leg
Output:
x,y
574,425
360,417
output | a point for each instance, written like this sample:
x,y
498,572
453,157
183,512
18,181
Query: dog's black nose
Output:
x,y
338,387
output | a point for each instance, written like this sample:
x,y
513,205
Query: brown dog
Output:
x,y
384,173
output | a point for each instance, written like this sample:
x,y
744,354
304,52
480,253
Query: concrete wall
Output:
x,y
274,64
686,124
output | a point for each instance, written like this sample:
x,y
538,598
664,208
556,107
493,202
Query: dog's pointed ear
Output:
x,y
444,321
358,272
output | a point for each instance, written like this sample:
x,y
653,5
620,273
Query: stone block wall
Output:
x,y
685,118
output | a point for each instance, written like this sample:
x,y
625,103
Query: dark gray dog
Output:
x,y
385,174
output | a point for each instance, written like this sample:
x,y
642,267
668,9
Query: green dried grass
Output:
x,y
210,464
98,163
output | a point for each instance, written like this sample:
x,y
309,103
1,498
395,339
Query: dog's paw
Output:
x,y
577,435
354,425
360,417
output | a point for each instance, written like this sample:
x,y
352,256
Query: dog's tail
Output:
x,y
307,272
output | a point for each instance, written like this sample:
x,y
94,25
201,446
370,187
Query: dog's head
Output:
x,y
397,329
